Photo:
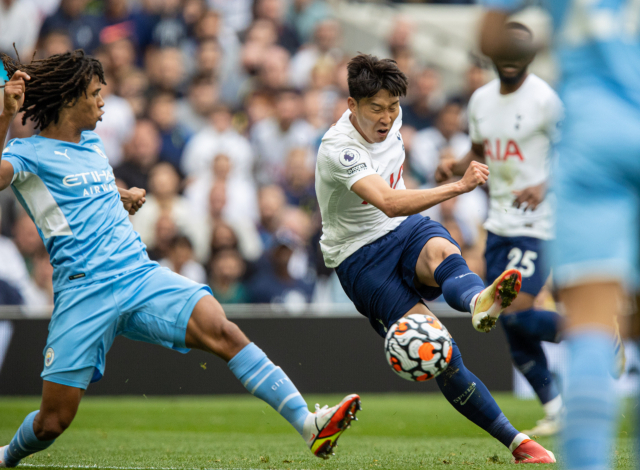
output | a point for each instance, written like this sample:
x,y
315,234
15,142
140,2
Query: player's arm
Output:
x,y
13,98
452,167
397,203
132,199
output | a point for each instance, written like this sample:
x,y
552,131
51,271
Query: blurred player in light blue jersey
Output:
x,y
597,182
104,283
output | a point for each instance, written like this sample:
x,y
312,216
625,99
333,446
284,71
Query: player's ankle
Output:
x,y
553,407
472,305
519,439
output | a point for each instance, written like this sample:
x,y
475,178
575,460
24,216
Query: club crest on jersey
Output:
x,y
48,357
98,151
349,157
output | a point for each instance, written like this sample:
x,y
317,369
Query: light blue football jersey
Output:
x,y
69,191
597,43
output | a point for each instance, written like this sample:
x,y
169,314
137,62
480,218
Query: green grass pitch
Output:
x,y
241,432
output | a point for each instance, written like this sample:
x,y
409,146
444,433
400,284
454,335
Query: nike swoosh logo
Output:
x,y
462,403
459,277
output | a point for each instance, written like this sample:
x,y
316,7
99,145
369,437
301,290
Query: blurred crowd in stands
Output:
x,y
217,108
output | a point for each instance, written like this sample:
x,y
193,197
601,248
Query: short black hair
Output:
x,y
55,81
367,75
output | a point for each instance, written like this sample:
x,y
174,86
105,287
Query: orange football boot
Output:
x,y
322,429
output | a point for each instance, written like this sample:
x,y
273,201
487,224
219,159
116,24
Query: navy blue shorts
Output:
x,y
379,277
523,253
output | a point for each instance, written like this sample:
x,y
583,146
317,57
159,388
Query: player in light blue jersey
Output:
x,y
104,283
597,183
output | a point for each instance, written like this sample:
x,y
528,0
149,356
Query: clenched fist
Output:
x,y
476,174
14,91
132,199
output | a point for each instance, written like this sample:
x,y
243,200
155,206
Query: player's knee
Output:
x,y
229,333
51,426
438,249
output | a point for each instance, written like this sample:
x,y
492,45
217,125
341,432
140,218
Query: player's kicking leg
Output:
x,y
471,398
440,263
209,330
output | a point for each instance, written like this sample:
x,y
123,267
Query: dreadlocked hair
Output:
x,y
55,81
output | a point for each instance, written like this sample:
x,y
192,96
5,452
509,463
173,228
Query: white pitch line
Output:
x,y
127,468
133,468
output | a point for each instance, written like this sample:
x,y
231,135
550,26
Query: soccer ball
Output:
x,y
418,347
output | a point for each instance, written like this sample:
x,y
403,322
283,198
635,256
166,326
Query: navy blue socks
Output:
x,y
458,283
470,397
269,383
525,330
24,443
538,325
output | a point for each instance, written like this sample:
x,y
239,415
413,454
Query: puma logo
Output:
x,y
63,154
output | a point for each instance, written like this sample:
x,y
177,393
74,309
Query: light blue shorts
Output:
x,y
597,183
150,304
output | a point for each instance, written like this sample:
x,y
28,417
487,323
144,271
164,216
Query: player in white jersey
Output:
x,y
389,259
513,120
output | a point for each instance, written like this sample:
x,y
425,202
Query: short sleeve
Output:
x,y
474,132
349,164
22,156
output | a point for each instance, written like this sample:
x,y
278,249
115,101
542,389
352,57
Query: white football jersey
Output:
x,y
517,131
344,157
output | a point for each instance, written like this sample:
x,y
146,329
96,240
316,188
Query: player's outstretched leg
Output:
x,y
41,428
470,397
209,330
465,291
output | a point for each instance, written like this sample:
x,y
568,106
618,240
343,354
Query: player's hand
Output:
x,y
476,174
445,170
133,199
14,91
530,197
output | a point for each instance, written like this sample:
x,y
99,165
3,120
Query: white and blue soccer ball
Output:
x,y
418,347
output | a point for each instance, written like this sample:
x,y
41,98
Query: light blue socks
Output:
x,y
268,382
590,401
24,443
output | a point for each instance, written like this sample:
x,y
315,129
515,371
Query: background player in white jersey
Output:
x,y
388,257
105,285
513,120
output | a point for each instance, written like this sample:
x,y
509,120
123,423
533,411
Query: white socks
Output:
x,y
553,407
472,306
517,441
